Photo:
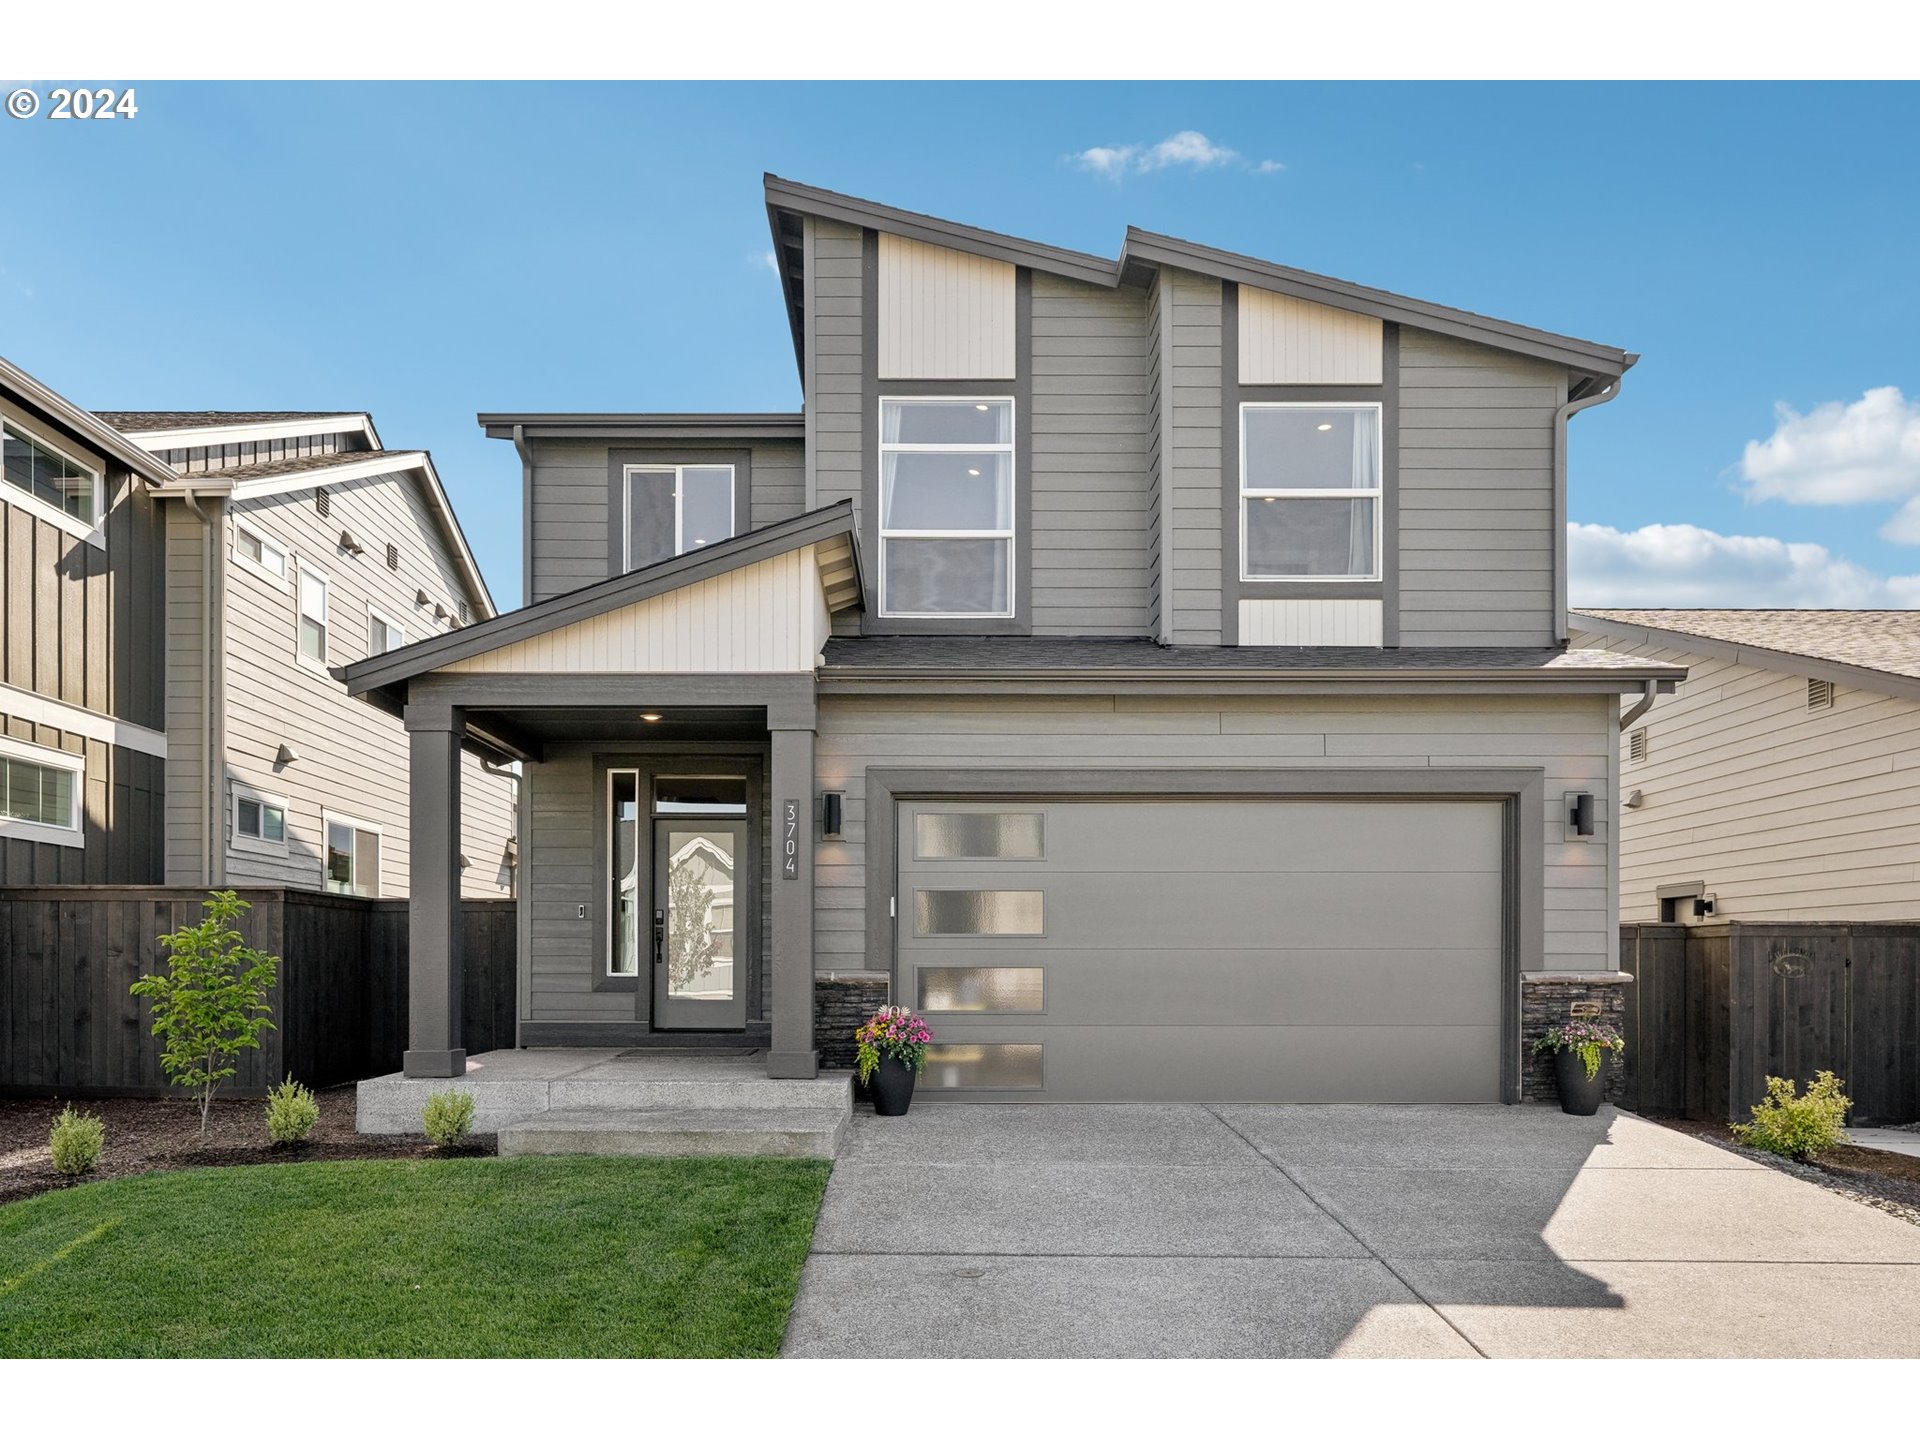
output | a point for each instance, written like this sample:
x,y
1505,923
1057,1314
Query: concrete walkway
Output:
x,y
1180,1230
1900,1142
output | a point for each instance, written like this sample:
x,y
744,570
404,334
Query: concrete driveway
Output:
x,y
1265,1230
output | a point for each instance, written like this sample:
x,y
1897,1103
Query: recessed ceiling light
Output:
x,y
650,716
1328,426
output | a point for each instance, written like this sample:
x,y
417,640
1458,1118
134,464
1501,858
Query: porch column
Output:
x,y
435,965
792,1056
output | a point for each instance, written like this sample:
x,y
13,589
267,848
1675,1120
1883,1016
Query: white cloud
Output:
x,y
1840,454
766,258
1184,149
1687,567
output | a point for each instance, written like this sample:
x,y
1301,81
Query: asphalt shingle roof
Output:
x,y
134,421
1887,640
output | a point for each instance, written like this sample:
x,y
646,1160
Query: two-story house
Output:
x,y
1153,669
177,588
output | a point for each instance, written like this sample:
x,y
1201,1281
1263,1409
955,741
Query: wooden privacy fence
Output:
x,y
1715,1009
69,1027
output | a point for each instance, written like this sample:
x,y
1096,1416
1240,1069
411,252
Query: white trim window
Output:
x,y
671,509
253,550
351,865
60,487
311,625
1310,491
259,820
383,634
946,507
40,793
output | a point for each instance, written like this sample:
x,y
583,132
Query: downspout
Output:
x,y
1560,417
526,513
1642,705
209,754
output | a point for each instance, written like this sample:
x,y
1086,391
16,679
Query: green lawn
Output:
x,y
490,1257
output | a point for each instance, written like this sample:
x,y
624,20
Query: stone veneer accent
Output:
x,y
1546,1000
841,1004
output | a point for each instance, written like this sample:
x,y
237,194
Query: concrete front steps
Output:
x,y
811,1133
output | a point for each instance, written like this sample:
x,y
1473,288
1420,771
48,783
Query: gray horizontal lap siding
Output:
x,y
1091,569
1476,530
1193,454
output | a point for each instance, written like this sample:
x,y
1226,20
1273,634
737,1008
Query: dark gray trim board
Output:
x,y
671,452
1520,788
396,666
1857,677
788,699
717,427
1020,387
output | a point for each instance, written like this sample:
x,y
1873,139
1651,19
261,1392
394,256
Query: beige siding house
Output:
x,y
319,548
1782,780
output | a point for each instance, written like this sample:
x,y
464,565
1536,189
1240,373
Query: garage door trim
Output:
x,y
1521,789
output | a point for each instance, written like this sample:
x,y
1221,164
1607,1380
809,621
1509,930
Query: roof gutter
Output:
x,y
1640,706
1561,416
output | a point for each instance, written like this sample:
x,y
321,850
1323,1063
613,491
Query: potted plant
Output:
x,y
893,1050
1577,1048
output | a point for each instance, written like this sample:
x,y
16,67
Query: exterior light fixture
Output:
x,y
465,863
285,755
351,545
1702,906
1634,801
1579,813
831,804
650,716
419,597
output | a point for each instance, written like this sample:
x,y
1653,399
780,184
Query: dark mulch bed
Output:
x,y
1880,1173
164,1134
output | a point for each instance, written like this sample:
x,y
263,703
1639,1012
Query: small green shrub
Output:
x,y
78,1138
1798,1126
448,1116
292,1112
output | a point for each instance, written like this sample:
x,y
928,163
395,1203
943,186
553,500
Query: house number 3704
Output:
x,y
790,839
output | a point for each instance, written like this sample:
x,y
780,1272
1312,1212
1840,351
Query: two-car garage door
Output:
x,y
1289,950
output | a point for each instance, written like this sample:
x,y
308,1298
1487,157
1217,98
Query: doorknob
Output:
x,y
659,936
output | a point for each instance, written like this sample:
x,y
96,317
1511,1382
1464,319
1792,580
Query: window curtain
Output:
x,y
1366,476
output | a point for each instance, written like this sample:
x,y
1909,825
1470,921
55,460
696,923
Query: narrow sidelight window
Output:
x,y
946,508
671,509
623,855
1310,493
313,616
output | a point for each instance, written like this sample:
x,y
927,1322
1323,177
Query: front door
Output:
x,y
698,870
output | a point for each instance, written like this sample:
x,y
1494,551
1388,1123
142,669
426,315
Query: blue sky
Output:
x,y
428,251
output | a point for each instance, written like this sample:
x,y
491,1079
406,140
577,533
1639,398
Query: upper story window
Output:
x,y
383,634
1310,491
256,550
672,509
313,616
56,480
946,507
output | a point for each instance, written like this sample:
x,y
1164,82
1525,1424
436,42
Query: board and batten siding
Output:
x,y
943,314
573,520
352,759
1088,468
1310,622
1287,341
1190,452
1782,812
1475,505
123,805
770,616
1571,738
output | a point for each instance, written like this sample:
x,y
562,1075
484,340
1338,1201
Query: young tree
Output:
x,y
212,1002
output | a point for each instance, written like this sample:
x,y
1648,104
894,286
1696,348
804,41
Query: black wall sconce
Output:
x,y
1579,813
1702,906
830,807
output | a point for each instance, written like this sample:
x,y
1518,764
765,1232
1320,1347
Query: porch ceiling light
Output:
x,y
650,716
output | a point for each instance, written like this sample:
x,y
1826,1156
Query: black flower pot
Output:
x,y
892,1086
1578,1094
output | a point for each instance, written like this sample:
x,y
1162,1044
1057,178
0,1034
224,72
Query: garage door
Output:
x,y
1296,950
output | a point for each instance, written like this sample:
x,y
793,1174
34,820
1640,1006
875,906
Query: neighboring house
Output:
x,y
116,531
1781,781
1152,668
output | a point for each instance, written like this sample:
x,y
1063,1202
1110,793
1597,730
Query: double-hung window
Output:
x,y
946,507
671,509
353,856
313,616
1310,495
40,790
57,481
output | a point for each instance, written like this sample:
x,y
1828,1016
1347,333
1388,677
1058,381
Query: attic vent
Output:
x,y
322,501
393,556
466,615
1819,694
1637,746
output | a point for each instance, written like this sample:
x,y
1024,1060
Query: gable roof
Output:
x,y
89,427
1872,649
382,678
171,429
1143,251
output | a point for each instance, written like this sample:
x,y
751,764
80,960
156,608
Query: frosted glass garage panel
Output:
x,y
983,1067
981,989
977,912
973,835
